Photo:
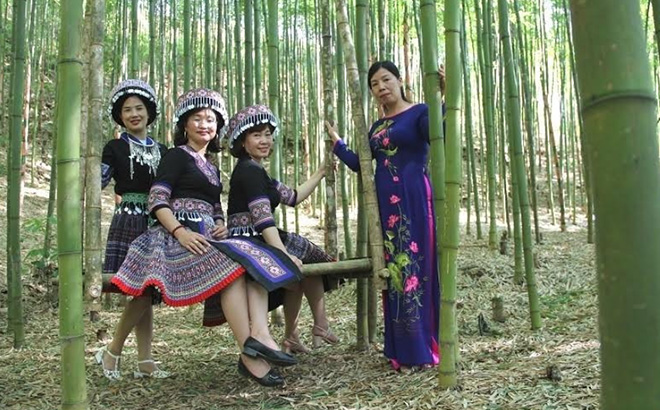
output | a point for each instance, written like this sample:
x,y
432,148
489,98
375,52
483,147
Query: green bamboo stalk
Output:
x,y
52,193
366,173
228,58
134,39
93,240
446,228
72,331
619,113
187,46
257,52
515,135
313,110
248,76
529,120
27,97
586,168
341,128
3,35
366,316
14,275
286,104
295,105
273,83
174,68
547,119
162,134
656,20
38,98
518,269
329,115
219,52
116,62
555,159
381,27
501,150
208,55
471,165
238,85
152,41
489,128
193,45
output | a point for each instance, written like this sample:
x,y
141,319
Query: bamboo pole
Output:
x,y
366,173
515,134
69,241
619,109
93,240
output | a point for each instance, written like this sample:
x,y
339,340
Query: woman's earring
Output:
x,y
185,135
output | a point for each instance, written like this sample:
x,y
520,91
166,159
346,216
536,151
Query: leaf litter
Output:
x,y
512,367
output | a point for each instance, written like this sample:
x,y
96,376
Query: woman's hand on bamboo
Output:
x,y
332,132
193,241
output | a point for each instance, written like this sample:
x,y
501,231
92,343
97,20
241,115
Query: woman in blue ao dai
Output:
x,y
399,144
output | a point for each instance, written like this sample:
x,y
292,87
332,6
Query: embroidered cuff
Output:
x,y
261,214
106,174
288,196
159,196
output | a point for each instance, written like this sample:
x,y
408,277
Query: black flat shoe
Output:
x,y
269,380
255,348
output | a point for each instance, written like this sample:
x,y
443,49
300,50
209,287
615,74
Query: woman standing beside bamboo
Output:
x,y
132,161
399,143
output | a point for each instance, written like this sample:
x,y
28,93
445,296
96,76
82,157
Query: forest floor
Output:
x,y
513,367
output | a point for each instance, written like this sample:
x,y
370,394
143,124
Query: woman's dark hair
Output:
x,y
180,138
389,66
237,149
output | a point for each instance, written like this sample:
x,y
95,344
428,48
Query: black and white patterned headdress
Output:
x,y
128,88
201,98
247,118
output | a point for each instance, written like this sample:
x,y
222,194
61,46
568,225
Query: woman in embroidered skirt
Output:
x,y
400,144
184,255
132,161
253,197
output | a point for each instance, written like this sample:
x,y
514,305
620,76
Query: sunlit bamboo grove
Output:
x,y
547,122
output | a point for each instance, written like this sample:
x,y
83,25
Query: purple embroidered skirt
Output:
x,y
157,259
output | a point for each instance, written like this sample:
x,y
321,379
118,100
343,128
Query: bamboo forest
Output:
x,y
534,195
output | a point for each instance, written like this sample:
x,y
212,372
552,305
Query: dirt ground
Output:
x,y
512,367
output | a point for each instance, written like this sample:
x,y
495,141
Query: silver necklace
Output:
x,y
144,153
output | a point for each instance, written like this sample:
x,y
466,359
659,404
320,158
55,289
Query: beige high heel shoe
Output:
x,y
320,334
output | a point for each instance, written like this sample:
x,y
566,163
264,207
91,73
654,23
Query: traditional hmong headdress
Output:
x,y
201,98
130,87
247,118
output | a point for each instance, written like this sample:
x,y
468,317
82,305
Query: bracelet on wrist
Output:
x,y
176,229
